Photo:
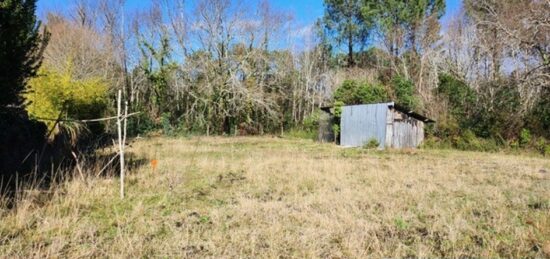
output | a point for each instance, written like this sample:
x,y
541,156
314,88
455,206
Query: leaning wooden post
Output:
x,y
120,144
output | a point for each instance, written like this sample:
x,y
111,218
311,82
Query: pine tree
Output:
x,y
401,22
21,47
346,19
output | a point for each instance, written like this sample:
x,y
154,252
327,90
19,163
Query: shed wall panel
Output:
x,y
361,123
389,128
407,132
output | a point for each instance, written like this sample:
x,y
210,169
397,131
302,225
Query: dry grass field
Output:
x,y
274,197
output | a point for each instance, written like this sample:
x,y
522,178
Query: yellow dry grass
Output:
x,y
271,197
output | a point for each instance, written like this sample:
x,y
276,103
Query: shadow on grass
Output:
x,y
31,163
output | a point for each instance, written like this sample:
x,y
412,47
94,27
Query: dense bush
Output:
x,y
538,120
53,94
486,119
460,98
524,138
311,122
353,92
467,141
499,110
309,128
404,92
141,124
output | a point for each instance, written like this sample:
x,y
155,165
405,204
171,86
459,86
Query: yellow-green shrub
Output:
x,y
52,93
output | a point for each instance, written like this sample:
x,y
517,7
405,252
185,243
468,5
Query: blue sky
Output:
x,y
305,11
308,11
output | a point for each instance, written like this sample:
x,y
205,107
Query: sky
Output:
x,y
308,11
305,12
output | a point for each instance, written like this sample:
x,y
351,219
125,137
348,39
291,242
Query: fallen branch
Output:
x,y
78,165
108,163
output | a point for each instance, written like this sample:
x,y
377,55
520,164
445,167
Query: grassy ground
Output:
x,y
273,197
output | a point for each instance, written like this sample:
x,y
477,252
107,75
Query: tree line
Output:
x,y
229,67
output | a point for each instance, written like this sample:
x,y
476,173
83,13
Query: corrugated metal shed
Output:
x,y
390,124
404,130
361,123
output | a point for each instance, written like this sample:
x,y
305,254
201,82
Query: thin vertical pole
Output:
x,y
125,124
124,142
120,145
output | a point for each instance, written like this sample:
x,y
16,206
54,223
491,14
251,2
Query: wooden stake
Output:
x,y
120,145
125,124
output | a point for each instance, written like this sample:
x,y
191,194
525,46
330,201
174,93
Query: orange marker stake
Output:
x,y
154,163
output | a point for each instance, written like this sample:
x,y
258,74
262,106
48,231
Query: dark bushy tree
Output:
x,y
499,113
404,92
353,92
21,47
460,97
538,120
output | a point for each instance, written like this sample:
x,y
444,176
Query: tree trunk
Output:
x,y
495,57
351,62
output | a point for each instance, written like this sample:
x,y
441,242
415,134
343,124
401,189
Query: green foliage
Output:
x,y
336,120
492,116
309,128
301,133
167,128
141,124
401,223
158,69
353,92
311,122
375,57
514,144
499,110
336,129
396,15
347,21
372,143
338,109
460,97
436,143
461,101
447,127
540,146
524,138
21,46
538,119
404,92
468,141
57,93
